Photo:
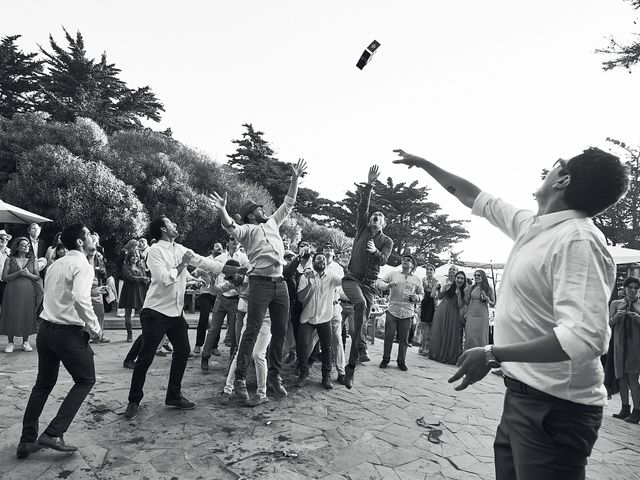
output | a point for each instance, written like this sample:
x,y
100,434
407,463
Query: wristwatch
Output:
x,y
490,358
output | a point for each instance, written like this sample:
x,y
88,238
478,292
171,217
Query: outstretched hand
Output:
x,y
472,366
374,173
300,168
219,202
407,159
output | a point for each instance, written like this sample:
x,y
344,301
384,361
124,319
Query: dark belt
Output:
x,y
232,297
266,279
519,387
47,323
346,302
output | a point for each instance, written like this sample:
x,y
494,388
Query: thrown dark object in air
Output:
x,y
367,54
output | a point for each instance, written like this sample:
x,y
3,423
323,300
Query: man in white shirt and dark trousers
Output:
x,y
260,236
316,291
162,312
405,293
551,323
63,336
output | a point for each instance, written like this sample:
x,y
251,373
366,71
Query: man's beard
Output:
x,y
319,269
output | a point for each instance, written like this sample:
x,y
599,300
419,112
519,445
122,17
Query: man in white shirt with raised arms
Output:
x,y
551,322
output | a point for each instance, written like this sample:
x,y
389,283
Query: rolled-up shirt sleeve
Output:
x,y
81,293
500,214
213,266
158,268
284,210
582,281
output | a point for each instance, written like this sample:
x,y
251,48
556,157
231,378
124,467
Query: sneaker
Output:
x,y
240,389
180,403
349,373
204,364
224,398
132,410
197,350
302,379
256,400
364,358
27,347
275,382
105,340
384,363
634,417
9,348
129,364
402,366
340,379
215,352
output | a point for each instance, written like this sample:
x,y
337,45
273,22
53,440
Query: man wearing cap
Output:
x,y
371,249
260,236
405,292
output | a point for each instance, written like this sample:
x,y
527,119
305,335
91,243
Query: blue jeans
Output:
x,y
263,294
362,298
69,345
402,326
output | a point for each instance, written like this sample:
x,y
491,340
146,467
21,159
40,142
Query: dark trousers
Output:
x,y
263,294
205,302
362,298
544,437
392,325
154,326
133,352
306,346
224,307
55,344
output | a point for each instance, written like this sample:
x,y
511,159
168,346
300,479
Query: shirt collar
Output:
x,y
165,244
551,219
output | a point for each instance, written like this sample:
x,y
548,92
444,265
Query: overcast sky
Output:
x,y
494,91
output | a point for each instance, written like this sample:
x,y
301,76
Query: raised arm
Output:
x,y
462,189
220,204
365,196
298,171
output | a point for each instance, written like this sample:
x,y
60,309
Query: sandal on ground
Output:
x,y
423,423
434,436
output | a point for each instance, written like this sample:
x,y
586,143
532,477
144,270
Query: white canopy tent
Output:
x,y
624,255
12,214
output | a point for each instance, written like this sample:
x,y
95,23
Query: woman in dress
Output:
x,y
446,345
480,298
18,317
427,309
625,324
134,288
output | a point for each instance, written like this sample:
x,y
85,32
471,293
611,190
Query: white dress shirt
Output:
x,y
318,306
67,292
238,256
400,306
166,291
558,277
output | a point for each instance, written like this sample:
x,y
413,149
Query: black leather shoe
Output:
x,y
132,411
340,379
302,379
55,443
349,373
327,383
240,389
402,366
384,363
363,358
26,448
180,403
204,364
275,383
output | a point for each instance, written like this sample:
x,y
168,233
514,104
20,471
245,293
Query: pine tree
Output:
x,y
77,86
19,74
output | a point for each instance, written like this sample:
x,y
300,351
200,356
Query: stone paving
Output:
x,y
369,432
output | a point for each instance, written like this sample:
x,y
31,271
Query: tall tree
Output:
x,y
621,223
19,74
624,55
413,222
75,85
